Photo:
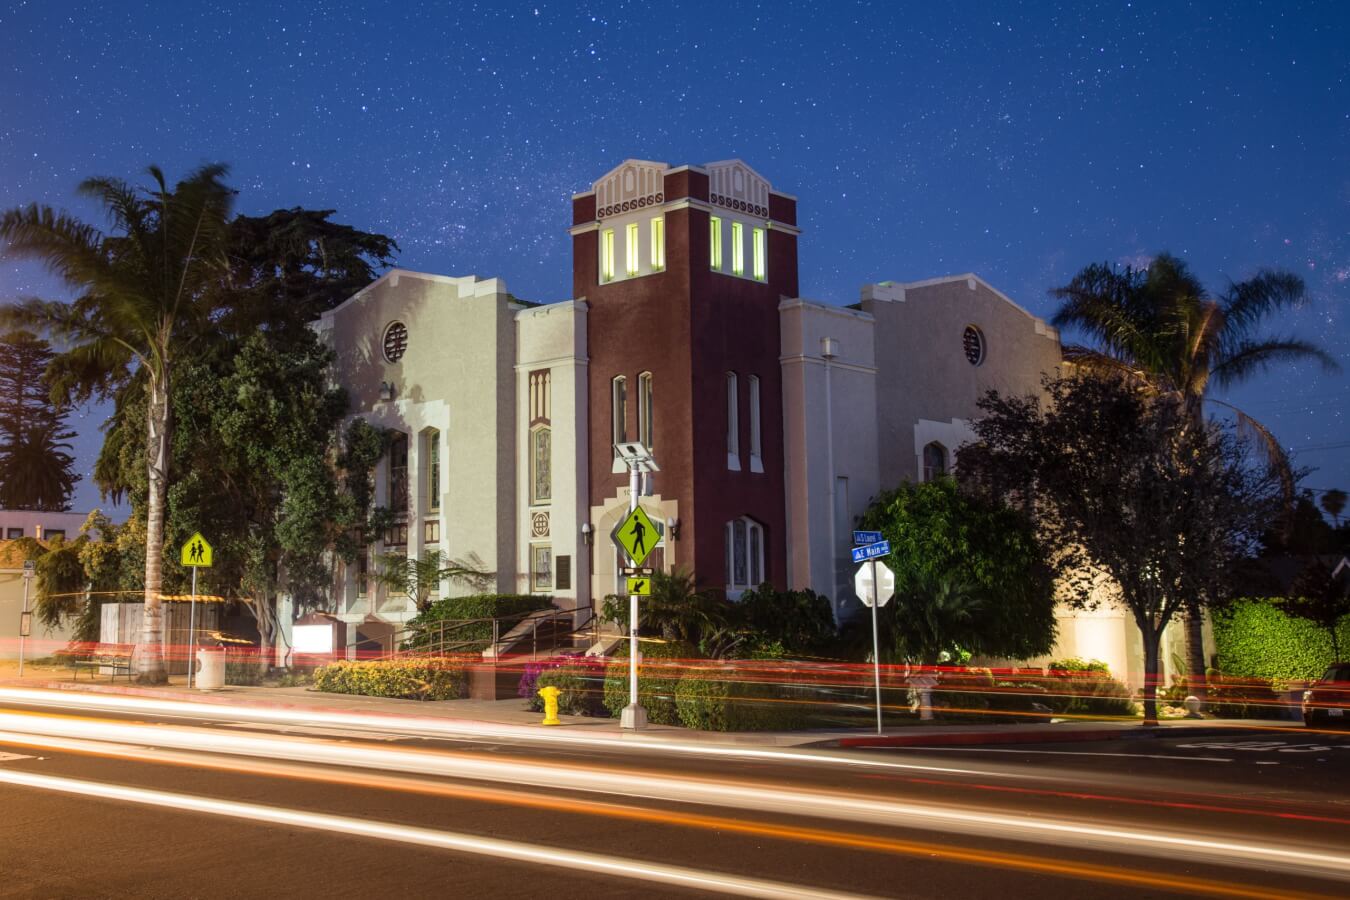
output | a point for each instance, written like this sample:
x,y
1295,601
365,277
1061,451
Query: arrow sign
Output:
x,y
871,551
639,587
866,537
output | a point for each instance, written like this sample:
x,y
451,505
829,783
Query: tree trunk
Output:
x,y
1152,638
149,662
1195,653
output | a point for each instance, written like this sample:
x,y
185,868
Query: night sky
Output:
x,y
1018,141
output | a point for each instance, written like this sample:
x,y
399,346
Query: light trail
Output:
x,y
773,799
534,854
665,817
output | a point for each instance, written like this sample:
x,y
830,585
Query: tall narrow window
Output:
x,y
618,410
646,416
658,244
431,447
715,248
934,461
733,425
756,462
737,249
607,255
744,538
398,473
761,255
541,465
631,255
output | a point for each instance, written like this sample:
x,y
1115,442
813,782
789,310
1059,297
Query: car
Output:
x,y
1327,703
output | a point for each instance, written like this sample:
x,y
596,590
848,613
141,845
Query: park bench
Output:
x,y
95,657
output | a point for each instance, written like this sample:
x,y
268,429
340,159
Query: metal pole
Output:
x,y
22,620
633,480
192,628
876,650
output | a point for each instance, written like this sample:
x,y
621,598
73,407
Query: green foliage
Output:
x,y
425,630
1074,664
579,686
678,610
420,577
939,532
1257,639
733,702
416,679
36,467
784,623
657,679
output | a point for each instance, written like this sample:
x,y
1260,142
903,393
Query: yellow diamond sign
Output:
x,y
636,536
196,553
640,586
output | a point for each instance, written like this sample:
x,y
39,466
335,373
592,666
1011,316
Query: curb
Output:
x,y
1130,733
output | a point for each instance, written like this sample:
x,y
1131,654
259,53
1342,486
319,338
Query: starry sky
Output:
x,y
1020,141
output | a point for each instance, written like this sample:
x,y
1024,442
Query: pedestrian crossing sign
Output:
x,y
638,586
636,536
196,553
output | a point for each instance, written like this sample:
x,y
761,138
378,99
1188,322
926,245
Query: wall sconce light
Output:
x,y
673,528
587,533
386,390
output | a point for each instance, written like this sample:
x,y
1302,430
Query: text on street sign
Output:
x,y
871,551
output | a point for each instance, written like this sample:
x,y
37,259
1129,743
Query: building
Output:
x,y
774,419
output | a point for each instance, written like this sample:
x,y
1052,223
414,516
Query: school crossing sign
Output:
x,y
196,553
636,536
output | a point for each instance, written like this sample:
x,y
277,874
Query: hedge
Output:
x,y
1256,639
473,606
579,679
732,703
409,679
656,683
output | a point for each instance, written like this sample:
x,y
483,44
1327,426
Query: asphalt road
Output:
x,y
109,804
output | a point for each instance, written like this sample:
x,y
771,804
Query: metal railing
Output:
x,y
462,636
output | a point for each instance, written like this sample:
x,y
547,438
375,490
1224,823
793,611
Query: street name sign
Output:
x,y
29,568
866,537
636,536
863,586
871,551
196,553
640,586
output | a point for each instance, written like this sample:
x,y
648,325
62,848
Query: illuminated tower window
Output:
x,y
658,244
631,249
715,251
761,255
607,255
737,249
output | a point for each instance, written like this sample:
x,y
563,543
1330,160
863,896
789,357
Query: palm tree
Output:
x,y
1333,501
141,296
1159,327
420,577
38,469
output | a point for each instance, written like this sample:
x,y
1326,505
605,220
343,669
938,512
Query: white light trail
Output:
x,y
534,854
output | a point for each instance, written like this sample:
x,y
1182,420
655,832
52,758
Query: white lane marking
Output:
x,y
534,854
318,731
9,757
458,729
594,779
1266,746
1059,753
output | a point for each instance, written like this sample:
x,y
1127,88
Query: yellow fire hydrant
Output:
x,y
550,695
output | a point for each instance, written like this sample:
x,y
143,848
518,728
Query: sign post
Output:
x,y
25,617
875,585
636,536
196,554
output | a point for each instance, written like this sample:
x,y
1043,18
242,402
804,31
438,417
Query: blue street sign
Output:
x,y
866,537
871,551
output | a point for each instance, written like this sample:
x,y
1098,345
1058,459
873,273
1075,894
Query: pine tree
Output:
x,y
36,469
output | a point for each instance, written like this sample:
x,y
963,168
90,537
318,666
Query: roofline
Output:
x,y
966,276
422,276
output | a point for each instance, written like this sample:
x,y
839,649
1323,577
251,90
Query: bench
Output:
x,y
94,657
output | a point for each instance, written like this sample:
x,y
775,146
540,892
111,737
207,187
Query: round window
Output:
x,y
395,341
973,343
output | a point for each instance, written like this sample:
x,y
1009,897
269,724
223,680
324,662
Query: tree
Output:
x,y
936,530
933,618
36,471
679,610
421,577
1158,327
141,298
1121,492
1333,501
1320,597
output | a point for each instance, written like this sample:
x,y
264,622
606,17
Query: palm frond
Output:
x,y
1246,303
1245,358
1268,446
67,247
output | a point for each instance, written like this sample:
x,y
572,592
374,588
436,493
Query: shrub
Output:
x,y
579,679
1256,639
798,622
725,700
423,631
656,680
1241,698
958,692
410,679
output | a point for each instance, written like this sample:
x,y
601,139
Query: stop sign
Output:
x,y
862,583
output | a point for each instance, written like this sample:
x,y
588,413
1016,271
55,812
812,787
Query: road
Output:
x,y
105,797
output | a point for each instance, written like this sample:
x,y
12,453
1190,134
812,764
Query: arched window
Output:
x,y
745,555
398,473
618,409
733,425
431,465
541,464
646,414
934,461
756,448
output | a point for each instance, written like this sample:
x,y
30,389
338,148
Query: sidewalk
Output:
x,y
513,715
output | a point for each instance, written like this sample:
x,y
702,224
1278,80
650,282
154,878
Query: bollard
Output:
x,y
550,695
